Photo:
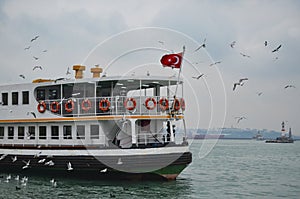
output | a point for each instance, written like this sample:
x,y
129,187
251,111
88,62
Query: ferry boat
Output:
x,y
101,127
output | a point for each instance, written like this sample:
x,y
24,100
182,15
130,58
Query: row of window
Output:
x,y
15,98
41,132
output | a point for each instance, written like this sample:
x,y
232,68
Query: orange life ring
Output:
x,y
182,103
41,107
163,104
104,105
176,104
54,107
67,108
84,103
147,103
132,107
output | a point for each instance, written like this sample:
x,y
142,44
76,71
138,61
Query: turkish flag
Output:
x,y
172,60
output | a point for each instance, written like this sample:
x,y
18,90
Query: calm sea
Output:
x,y
233,169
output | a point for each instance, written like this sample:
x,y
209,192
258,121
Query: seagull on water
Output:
x,y
203,45
276,49
17,178
69,165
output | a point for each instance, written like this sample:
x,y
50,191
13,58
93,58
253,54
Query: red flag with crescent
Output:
x,y
172,60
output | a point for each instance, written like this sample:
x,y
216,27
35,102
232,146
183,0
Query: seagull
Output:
x,y
24,180
69,165
59,79
22,76
148,73
243,79
240,83
8,177
201,46
44,51
36,58
289,86
26,164
49,163
244,55
27,48
53,182
35,38
198,77
259,93
119,161
232,44
239,119
68,71
104,170
37,155
41,161
266,43
39,67
3,156
276,49
17,178
14,159
161,42
218,62
32,113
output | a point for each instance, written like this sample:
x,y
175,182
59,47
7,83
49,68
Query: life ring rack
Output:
x,y
69,103
104,105
86,105
133,101
147,103
41,107
163,104
54,106
182,104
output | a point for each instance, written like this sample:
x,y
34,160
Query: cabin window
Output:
x,y
1,132
21,132
25,97
67,132
4,98
80,131
53,94
31,132
40,94
10,132
54,132
42,132
15,98
94,131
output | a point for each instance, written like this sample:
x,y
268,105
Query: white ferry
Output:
x,y
102,127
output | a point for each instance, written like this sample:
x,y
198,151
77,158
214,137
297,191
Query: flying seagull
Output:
x,y
259,93
198,77
44,51
289,86
59,79
119,161
161,42
69,166
26,164
3,156
37,67
22,76
68,71
35,38
41,161
276,49
104,170
215,63
36,58
240,83
14,159
232,44
243,79
27,48
239,119
32,113
202,45
244,55
266,43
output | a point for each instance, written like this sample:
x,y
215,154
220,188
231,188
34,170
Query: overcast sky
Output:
x,y
98,32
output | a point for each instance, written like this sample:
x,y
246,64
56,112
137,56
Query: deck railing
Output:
x,y
118,105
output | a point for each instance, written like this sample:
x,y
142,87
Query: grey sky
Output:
x,y
69,30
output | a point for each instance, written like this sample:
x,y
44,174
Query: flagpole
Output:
x,y
183,51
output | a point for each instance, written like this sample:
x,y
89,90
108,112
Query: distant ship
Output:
x,y
258,136
283,138
207,136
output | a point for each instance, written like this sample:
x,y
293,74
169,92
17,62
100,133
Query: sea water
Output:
x,y
232,169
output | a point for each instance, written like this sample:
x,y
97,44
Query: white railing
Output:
x,y
119,105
